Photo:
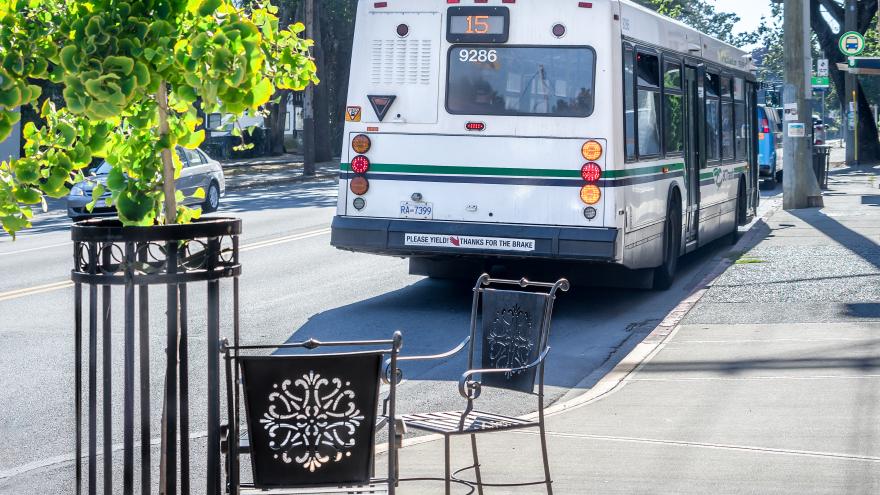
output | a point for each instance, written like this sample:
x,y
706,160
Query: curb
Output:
x,y
643,352
257,162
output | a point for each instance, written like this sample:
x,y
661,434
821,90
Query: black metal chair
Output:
x,y
515,343
311,418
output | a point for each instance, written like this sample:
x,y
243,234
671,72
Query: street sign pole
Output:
x,y
851,89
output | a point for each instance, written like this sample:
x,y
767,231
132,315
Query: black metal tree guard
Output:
x,y
106,254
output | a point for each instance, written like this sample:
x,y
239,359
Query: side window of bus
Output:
x,y
713,118
739,111
726,120
648,102
673,112
629,116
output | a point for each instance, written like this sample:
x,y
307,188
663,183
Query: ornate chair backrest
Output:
x,y
311,418
513,335
514,329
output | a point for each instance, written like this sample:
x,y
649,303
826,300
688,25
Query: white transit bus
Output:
x,y
555,130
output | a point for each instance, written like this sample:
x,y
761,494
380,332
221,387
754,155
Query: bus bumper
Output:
x,y
394,237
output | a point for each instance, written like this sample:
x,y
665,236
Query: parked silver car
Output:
x,y
199,170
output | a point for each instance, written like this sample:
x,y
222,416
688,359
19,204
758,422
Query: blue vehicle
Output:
x,y
769,140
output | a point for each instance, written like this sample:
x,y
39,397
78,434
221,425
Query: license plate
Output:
x,y
410,209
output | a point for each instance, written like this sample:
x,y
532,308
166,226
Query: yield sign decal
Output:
x,y
381,104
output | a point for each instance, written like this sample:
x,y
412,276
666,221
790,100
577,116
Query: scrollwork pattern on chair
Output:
x,y
509,339
312,420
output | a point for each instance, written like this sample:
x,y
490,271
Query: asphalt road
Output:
x,y
294,286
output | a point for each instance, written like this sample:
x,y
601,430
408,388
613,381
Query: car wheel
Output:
x,y
779,177
664,274
212,198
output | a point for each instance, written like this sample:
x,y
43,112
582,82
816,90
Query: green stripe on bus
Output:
x,y
509,172
711,173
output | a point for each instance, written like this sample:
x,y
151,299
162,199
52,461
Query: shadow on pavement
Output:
x,y
296,195
593,328
855,242
824,359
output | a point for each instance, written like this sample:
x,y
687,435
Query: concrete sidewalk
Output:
x,y
770,383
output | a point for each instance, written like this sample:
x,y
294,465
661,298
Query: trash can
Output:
x,y
820,164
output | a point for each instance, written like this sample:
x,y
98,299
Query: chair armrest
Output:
x,y
470,389
386,370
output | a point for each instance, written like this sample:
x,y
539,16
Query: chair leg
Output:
x,y
546,459
477,464
448,478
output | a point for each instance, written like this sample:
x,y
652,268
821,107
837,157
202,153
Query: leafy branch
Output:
x,y
132,74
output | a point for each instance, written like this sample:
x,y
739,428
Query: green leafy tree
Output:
x,y
702,16
132,73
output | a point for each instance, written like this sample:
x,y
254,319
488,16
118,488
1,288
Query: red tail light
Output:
x,y
765,125
591,172
360,164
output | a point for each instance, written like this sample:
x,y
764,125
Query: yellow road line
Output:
x,y
5,296
282,240
65,284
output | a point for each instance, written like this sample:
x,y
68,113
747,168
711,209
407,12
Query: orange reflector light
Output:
x,y
359,185
591,150
360,164
591,172
361,143
590,194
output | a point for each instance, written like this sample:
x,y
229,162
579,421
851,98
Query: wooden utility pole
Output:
x,y
851,90
309,104
799,185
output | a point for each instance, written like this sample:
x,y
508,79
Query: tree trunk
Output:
x,y
167,160
322,105
309,102
869,145
276,123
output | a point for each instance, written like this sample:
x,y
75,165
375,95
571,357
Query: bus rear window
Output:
x,y
512,80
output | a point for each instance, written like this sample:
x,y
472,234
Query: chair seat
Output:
x,y
341,490
448,423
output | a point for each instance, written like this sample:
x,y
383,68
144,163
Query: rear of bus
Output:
x,y
481,130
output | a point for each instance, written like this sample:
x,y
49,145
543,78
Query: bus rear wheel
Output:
x,y
739,213
664,274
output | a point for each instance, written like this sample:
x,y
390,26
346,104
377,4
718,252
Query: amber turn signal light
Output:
x,y
359,185
361,144
591,150
591,194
